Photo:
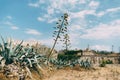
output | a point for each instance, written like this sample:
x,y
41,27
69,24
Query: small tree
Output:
x,y
60,30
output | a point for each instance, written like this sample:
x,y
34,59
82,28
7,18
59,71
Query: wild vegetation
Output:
x,y
20,61
23,58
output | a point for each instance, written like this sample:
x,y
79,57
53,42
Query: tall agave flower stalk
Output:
x,y
60,29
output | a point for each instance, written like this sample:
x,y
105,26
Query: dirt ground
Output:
x,y
110,72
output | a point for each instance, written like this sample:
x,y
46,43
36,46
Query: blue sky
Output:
x,y
93,22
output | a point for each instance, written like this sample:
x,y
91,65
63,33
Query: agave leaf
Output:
x,y
11,48
7,41
30,63
21,57
28,51
3,41
1,46
2,63
35,58
18,46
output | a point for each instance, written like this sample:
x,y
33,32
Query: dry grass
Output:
x,y
110,72
2,77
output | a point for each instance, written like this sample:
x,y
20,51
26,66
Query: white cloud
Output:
x,y
50,10
52,20
40,19
82,14
94,4
8,23
74,33
74,38
14,27
75,27
108,11
9,17
101,47
100,14
82,1
62,6
47,18
113,9
103,31
36,4
32,32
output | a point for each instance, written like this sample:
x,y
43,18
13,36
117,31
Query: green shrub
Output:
x,y
69,55
109,61
73,52
64,57
103,64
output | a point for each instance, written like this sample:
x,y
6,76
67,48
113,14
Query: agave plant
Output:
x,y
85,64
25,56
8,51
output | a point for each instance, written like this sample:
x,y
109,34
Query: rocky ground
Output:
x,y
110,72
